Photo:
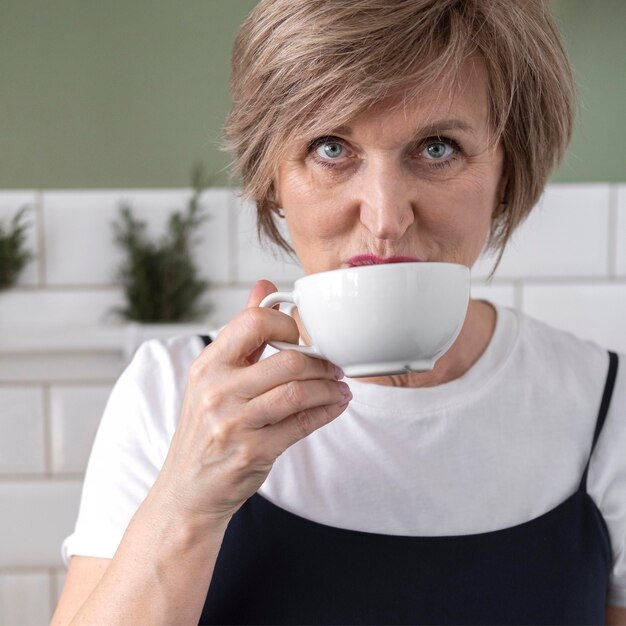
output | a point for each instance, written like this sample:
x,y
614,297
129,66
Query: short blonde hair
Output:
x,y
307,66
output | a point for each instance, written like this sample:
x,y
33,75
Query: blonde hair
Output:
x,y
307,66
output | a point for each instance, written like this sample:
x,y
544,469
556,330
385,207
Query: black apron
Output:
x,y
275,567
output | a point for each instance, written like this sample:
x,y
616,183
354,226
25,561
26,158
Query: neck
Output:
x,y
477,331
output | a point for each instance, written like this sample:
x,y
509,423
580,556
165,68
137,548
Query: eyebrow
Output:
x,y
434,128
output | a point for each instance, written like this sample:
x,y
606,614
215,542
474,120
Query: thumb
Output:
x,y
261,289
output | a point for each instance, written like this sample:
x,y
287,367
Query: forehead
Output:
x,y
454,100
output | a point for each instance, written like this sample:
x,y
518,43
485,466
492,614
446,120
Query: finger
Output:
x,y
284,434
261,289
280,368
248,332
292,398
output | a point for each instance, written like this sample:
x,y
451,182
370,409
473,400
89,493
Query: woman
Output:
x,y
416,128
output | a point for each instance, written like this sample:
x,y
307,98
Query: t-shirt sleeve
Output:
x,y
131,444
606,483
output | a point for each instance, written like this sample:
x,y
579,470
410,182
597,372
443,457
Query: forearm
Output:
x,y
160,573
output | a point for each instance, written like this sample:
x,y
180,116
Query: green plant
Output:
x,y
159,278
13,254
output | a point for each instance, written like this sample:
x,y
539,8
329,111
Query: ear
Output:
x,y
277,195
273,196
503,188
502,191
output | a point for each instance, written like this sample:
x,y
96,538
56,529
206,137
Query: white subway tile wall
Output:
x,y
25,599
566,234
58,582
592,311
80,248
504,295
253,261
36,516
226,302
22,445
75,413
566,265
31,309
71,367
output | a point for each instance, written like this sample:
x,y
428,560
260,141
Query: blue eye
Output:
x,y
437,150
329,150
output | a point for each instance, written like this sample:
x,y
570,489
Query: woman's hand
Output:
x,y
239,414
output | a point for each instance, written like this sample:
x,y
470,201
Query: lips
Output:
x,y
372,259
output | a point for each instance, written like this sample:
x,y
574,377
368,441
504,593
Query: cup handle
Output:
x,y
286,296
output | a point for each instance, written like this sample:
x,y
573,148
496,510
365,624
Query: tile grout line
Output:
x,y
479,281
8,570
518,295
612,234
70,382
47,431
52,586
38,477
75,288
22,384
549,280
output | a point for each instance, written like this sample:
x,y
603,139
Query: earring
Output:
x,y
280,212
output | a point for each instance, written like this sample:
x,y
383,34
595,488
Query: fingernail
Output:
x,y
345,391
339,373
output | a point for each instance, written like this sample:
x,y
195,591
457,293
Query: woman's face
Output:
x,y
417,182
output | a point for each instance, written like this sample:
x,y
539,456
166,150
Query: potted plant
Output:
x,y
160,280
13,254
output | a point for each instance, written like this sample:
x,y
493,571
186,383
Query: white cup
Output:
x,y
380,319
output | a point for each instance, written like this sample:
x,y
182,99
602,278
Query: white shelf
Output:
x,y
123,339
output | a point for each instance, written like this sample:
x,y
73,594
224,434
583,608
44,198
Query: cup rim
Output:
x,y
378,266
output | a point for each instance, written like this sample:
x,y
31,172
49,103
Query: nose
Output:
x,y
387,208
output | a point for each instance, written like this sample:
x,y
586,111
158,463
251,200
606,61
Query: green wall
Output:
x,y
113,93
128,93
595,38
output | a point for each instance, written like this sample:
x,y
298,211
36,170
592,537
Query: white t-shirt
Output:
x,y
503,444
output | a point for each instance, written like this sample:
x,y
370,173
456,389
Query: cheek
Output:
x,y
299,192
312,209
311,226
461,216
291,186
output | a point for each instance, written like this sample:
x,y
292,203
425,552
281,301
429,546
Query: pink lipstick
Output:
x,y
372,259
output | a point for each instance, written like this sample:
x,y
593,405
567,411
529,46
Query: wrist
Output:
x,y
164,502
